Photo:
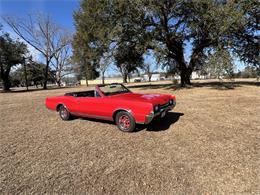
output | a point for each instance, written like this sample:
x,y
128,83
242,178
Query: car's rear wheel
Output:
x,y
125,121
64,113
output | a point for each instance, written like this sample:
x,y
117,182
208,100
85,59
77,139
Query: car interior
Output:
x,y
91,93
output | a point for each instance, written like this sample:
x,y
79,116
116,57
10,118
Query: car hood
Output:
x,y
151,98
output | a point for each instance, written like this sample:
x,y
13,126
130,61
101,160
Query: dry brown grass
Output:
x,y
209,144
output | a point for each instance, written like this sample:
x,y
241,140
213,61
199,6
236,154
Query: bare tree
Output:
x,y
148,70
41,33
61,63
105,61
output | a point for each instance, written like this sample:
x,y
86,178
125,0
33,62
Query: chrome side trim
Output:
x,y
122,109
92,116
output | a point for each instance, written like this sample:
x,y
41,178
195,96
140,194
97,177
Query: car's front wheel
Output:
x,y
125,121
64,113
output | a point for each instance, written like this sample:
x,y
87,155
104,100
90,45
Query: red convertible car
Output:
x,y
113,102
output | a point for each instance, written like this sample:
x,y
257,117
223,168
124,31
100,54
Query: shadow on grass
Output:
x,y
33,90
158,124
161,124
226,85
151,86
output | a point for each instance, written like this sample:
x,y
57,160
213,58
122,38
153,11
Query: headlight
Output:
x,y
171,102
156,108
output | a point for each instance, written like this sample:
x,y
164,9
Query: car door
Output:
x,y
94,107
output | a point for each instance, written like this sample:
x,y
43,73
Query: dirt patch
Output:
x,y
208,144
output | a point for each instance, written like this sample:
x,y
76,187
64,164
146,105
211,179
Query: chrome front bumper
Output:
x,y
150,117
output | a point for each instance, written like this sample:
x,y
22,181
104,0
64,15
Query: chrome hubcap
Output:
x,y
63,113
124,122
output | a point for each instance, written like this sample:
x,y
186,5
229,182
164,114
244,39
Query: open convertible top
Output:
x,y
90,93
105,89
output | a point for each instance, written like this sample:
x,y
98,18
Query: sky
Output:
x,y
61,12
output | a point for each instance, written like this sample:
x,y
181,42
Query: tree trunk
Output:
x,y
87,82
257,73
6,79
25,75
188,76
58,78
103,77
149,77
46,75
36,84
125,78
183,81
6,83
129,78
185,76
45,84
59,83
185,71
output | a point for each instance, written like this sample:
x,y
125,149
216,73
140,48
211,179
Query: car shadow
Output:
x,y
157,124
161,124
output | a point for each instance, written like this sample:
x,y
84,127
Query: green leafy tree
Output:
x,y
220,64
166,27
11,54
246,39
131,38
85,60
92,38
249,72
34,74
107,27
128,59
203,24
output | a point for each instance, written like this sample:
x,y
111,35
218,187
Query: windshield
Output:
x,y
113,89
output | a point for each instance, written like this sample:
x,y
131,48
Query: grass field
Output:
x,y
209,144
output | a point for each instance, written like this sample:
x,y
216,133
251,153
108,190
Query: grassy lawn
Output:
x,y
208,144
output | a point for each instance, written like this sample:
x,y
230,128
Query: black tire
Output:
x,y
125,121
64,113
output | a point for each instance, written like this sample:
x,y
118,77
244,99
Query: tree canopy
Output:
x,y
40,32
127,29
12,53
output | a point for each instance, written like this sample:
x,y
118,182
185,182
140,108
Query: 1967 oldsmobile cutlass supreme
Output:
x,y
113,102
